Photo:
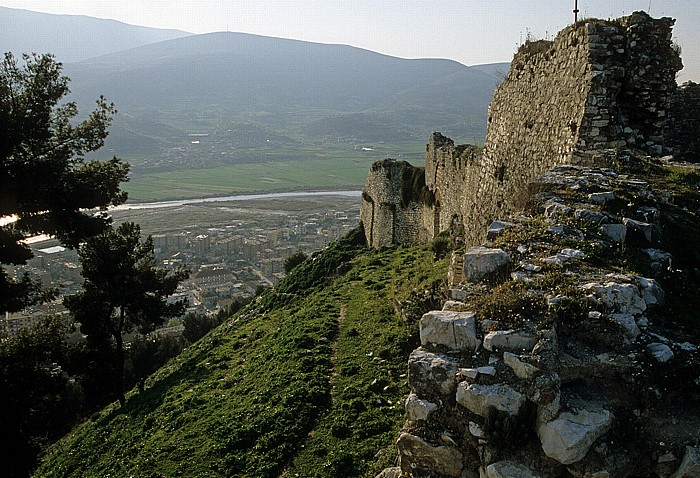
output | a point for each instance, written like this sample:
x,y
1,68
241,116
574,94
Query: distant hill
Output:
x,y
223,99
72,37
306,91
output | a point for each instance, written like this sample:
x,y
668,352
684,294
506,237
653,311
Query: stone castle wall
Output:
x,y
598,85
390,213
682,130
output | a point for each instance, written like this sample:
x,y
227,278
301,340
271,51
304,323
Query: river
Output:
x,y
239,197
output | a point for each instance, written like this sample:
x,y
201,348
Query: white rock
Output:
x,y
455,305
599,198
522,370
592,217
624,298
510,340
657,255
476,430
568,438
430,372
643,227
416,453
616,232
652,293
690,466
556,209
455,330
573,253
547,413
482,263
660,352
394,472
496,228
472,373
628,325
457,294
508,469
479,399
418,409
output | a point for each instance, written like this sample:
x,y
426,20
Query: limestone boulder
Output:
x,y
394,472
431,372
496,228
455,330
568,438
508,469
661,352
485,264
479,399
652,293
415,453
510,340
522,370
622,298
642,228
690,466
418,409
616,232
628,325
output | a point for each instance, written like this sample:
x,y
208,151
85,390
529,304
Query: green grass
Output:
x,y
308,382
249,178
333,166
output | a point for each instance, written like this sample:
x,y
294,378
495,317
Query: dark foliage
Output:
x,y
294,260
45,180
123,290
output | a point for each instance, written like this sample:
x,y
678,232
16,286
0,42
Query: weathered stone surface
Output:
x,y
600,198
644,228
652,293
457,294
568,438
510,340
479,399
628,325
455,305
508,469
616,232
556,209
690,466
592,217
472,373
415,453
418,409
496,228
522,370
623,298
430,372
455,330
394,472
660,352
484,264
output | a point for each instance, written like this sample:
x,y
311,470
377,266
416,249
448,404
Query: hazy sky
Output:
x,y
469,31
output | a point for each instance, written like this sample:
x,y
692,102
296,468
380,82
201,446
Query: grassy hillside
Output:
x,y
307,381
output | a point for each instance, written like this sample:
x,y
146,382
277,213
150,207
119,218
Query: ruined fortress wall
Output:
x,y
598,85
682,130
389,213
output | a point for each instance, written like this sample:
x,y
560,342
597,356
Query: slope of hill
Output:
x,y
72,37
309,380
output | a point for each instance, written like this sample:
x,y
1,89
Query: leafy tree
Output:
x,y
123,291
294,260
45,180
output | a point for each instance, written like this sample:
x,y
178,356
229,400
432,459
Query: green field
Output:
x,y
337,169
